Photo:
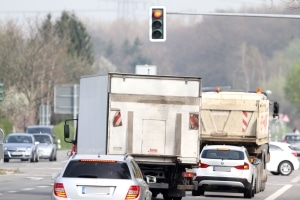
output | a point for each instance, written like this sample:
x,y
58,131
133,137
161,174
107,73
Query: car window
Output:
x,y
18,139
39,130
91,169
292,138
227,155
42,138
136,170
275,148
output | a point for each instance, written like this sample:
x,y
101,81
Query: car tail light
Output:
x,y
295,153
59,190
202,165
242,167
133,192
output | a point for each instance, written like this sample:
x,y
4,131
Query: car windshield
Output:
x,y
39,130
18,139
42,138
90,169
225,155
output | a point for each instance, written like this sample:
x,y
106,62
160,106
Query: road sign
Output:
x,y
66,99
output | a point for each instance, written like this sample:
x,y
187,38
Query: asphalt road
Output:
x,y
25,180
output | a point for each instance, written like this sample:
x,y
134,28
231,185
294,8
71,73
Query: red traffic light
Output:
x,y
157,14
157,24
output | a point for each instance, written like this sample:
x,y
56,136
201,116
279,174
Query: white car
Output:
x,y
226,168
283,160
105,177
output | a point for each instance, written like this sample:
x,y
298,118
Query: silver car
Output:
x,y
105,177
46,147
20,146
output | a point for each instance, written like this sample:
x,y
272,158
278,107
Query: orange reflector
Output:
x,y
259,90
157,14
218,89
96,160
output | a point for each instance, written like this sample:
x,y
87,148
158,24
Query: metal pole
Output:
x,y
238,14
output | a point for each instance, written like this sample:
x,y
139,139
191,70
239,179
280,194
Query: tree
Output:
x,y
78,41
292,86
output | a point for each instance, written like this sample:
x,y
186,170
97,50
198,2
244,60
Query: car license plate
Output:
x,y
221,169
16,153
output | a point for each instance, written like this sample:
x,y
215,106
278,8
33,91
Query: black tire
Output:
x,y
275,173
248,193
177,198
33,157
195,193
51,157
285,168
6,159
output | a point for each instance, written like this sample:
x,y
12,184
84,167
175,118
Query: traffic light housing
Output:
x,y
157,24
1,91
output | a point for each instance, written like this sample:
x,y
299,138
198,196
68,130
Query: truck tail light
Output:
x,y
188,174
133,192
243,167
59,190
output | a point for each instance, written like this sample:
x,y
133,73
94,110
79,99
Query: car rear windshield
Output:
x,y
113,170
292,137
221,154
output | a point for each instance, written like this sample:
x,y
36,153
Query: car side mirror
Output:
x,y
256,161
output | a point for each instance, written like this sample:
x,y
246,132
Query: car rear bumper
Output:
x,y
208,181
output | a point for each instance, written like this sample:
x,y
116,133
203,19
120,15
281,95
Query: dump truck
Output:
x,y
241,119
153,118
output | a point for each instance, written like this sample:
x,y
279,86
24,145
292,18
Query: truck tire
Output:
x,y
197,192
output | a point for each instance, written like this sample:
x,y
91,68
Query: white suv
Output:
x,y
226,168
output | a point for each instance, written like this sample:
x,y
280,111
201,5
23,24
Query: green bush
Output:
x,y
59,130
6,125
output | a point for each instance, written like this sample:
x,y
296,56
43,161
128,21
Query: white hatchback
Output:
x,y
283,160
226,168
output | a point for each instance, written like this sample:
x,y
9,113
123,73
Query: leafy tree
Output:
x,y
292,86
78,40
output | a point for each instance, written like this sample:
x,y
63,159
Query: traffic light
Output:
x,y
157,24
1,91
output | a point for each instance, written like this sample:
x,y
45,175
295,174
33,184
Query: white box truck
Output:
x,y
241,119
153,118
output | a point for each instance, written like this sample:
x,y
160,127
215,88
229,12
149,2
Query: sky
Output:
x,y
112,9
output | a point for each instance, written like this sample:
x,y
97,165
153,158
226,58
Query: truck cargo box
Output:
x,y
235,117
153,118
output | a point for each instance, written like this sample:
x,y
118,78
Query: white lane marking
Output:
x,y
25,189
296,179
279,192
35,178
43,186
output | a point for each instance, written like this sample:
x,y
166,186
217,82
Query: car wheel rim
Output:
x,y
285,168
